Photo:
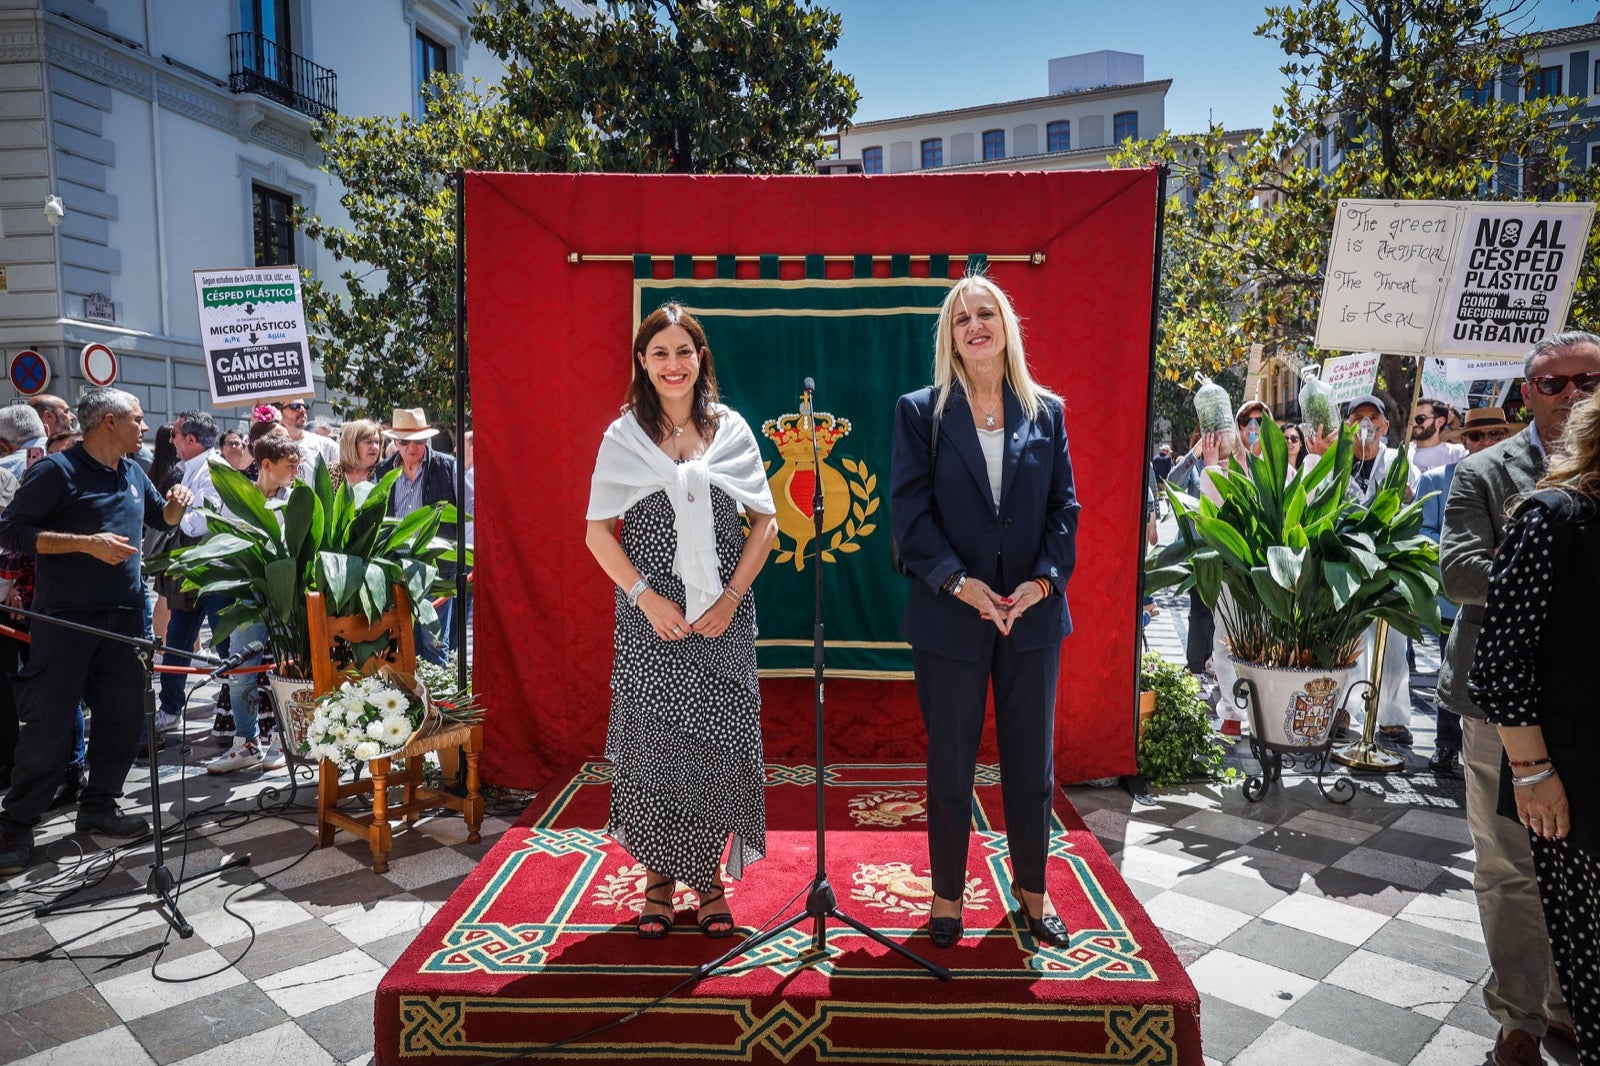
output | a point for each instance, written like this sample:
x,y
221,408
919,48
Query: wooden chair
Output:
x,y
331,790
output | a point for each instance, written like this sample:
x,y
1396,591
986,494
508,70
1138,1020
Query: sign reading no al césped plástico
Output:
x,y
253,331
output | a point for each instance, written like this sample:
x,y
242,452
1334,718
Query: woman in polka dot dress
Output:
x,y
685,733
1532,674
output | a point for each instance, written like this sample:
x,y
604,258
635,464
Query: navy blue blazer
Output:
x,y
945,520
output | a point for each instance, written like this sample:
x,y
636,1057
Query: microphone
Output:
x,y
249,651
808,388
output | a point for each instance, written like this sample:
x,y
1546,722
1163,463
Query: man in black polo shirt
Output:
x,y
82,512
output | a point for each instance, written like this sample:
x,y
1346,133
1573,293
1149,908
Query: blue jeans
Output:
x,y
436,649
242,687
183,629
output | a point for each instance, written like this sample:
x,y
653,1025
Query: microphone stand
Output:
x,y
821,903
161,883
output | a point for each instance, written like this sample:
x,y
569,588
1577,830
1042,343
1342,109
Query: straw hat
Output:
x,y
411,423
1482,418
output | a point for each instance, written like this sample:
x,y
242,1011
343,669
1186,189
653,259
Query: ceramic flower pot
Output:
x,y
1294,708
292,696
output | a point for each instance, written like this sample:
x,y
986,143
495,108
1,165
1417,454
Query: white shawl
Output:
x,y
631,466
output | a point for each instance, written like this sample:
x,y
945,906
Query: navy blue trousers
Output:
x,y
952,694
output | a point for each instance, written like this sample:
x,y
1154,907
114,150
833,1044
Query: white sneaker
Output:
x,y
165,721
272,757
243,755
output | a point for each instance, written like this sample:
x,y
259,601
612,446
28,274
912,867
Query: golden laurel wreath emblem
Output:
x,y
849,496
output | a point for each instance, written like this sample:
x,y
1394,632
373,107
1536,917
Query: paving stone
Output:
x,y
1309,847
1470,1014
324,982
25,946
1198,919
1288,948
1283,1043
344,1030
1452,1046
1227,1028
1400,983
1376,1028
1402,870
23,986
1417,846
1359,890
140,993
115,1045
132,952
1325,917
375,919
1257,986
291,946
52,1022
286,1043
1250,894
209,1022
1436,950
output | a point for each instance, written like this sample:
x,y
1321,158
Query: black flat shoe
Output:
x,y
1049,929
945,932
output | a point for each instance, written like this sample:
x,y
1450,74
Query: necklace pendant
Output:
x,y
677,431
988,421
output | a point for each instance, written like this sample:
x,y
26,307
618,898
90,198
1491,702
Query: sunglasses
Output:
x,y
1475,436
1556,384
298,405
1421,419
233,444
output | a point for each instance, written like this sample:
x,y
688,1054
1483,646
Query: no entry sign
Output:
x,y
99,364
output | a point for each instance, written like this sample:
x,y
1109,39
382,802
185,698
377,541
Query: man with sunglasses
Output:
x,y
295,414
1431,447
1522,991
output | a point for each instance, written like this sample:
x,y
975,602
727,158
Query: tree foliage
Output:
x,y
649,86
1392,89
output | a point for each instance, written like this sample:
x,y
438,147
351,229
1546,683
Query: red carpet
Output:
x,y
537,947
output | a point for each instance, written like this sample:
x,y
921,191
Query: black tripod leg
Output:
x,y
932,967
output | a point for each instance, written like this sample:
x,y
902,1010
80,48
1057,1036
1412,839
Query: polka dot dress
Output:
x,y
685,733
1504,682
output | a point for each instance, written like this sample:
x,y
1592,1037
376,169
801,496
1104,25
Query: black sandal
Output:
x,y
719,925
656,926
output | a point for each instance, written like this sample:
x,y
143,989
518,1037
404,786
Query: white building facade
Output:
x,y
1096,101
177,136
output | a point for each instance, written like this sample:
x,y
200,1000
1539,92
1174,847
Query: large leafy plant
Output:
x,y
270,553
1307,568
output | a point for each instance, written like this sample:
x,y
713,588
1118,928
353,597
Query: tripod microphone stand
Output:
x,y
821,903
161,883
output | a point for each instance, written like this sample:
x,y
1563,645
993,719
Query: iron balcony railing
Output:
x,y
262,66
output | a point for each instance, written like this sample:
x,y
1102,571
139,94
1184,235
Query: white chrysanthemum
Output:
x,y
368,749
337,732
395,730
375,730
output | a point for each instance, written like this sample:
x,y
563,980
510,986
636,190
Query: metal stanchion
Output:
x,y
1364,754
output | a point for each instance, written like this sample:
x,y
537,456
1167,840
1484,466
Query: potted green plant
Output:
x,y
1307,570
323,539
1176,742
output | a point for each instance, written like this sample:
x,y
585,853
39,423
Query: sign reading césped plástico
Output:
x,y
253,331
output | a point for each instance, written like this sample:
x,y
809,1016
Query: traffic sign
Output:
x,y
99,364
29,373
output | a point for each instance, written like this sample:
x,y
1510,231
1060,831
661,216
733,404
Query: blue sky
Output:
x,y
913,56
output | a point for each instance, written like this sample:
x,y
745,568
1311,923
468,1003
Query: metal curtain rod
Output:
x,y
578,258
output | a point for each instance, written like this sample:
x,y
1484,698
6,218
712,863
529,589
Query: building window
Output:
x,y
1124,126
1314,154
1594,155
431,59
872,160
994,144
933,152
1481,95
1547,82
1058,137
1594,82
272,212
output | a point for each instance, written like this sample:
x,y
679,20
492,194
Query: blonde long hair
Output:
x,y
947,365
1575,466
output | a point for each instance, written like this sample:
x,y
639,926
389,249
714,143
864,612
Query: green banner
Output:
x,y
865,342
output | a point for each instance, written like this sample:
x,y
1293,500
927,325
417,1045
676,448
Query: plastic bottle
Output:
x,y
1316,402
1212,406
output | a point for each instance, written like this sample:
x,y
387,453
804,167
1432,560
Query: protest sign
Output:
x,y
253,330
1386,269
1350,376
1438,385
1482,369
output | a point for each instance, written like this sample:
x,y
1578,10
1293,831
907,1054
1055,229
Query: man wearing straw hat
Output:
x,y
426,477
1483,427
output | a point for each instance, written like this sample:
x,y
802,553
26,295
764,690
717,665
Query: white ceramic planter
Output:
x,y
1294,708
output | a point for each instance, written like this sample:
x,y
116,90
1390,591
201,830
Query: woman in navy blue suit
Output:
x,y
986,519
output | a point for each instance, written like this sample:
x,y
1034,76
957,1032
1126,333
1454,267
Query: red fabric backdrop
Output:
x,y
549,366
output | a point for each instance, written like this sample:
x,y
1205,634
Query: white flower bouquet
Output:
x,y
369,717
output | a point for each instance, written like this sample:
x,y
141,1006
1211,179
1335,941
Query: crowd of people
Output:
x,y
1515,509
84,501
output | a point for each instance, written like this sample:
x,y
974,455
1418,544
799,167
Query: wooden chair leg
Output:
x,y
472,809
378,834
416,766
327,800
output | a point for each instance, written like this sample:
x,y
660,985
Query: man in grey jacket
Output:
x,y
1522,992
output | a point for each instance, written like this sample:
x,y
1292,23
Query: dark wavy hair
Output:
x,y
642,398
